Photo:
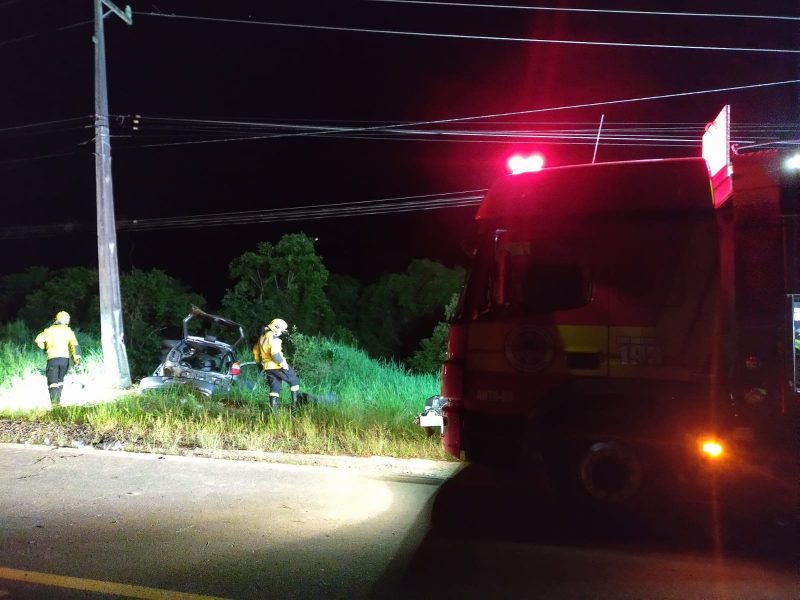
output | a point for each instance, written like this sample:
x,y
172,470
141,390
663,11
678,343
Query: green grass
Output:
x,y
368,406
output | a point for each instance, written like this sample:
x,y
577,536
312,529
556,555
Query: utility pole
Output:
x,y
112,336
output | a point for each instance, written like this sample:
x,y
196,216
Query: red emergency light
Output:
x,y
717,152
525,164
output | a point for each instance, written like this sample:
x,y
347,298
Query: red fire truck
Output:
x,y
631,324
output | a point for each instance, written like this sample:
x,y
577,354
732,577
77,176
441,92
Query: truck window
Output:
x,y
539,277
547,288
533,285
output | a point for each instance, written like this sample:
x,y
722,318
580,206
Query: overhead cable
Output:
x,y
33,158
613,134
318,211
467,37
33,35
44,123
591,10
160,127
484,117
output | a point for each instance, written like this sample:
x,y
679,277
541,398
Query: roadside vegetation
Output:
x,y
369,351
365,406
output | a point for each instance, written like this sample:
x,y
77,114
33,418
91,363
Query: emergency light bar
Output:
x,y
525,164
717,152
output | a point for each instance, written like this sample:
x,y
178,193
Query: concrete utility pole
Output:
x,y
112,336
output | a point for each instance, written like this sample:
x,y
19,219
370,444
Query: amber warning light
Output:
x,y
712,448
525,164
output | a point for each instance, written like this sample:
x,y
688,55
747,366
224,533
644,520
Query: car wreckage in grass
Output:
x,y
206,358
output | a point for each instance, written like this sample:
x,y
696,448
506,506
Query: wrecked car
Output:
x,y
205,358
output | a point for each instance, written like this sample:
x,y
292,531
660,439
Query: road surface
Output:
x,y
83,523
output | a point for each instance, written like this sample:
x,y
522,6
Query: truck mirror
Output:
x,y
501,260
500,287
470,246
795,353
790,192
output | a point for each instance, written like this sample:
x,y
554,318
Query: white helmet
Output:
x,y
277,326
62,317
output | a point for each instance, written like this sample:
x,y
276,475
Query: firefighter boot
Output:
x,y
55,397
295,402
273,403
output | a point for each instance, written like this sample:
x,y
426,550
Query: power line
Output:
x,y
29,231
33,158
345,124
310,212
637,136
391,127
161,126
466,37
44,123
318,211
794,142
34,35
591,10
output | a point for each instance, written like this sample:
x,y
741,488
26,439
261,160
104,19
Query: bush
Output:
x,y
369,406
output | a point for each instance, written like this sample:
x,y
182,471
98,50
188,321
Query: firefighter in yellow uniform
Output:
x,y
60,343
268,352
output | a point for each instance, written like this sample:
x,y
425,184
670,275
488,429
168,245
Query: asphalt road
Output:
x,y
81,523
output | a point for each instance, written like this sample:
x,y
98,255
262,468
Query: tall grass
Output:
x,y
365,407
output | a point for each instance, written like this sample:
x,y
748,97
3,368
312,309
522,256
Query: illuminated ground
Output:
x,y
30,392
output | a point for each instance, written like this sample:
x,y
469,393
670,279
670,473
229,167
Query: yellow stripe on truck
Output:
x,y
622,351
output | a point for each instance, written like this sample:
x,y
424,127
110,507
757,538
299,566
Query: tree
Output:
x,y
432,350
400,309
286,280
74,289
153,305
14,288
343,292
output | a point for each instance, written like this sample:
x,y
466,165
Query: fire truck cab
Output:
x,y
633,324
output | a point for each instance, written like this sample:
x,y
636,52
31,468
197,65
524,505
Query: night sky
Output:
x,y
299,103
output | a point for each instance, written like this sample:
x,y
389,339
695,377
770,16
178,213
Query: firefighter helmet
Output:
x,y
277,326
62,317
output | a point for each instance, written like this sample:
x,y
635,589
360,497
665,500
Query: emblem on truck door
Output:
x,y
529,349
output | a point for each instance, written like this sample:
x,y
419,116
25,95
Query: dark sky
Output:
x,y
224,74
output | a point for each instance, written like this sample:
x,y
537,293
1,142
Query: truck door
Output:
x,y
662,277
559,320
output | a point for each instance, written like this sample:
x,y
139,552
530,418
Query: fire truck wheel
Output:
x,y
610,472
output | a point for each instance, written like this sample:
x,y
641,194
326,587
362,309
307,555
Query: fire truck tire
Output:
x,y
610,473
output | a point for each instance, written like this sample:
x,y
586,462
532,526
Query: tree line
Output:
x,y
399,317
